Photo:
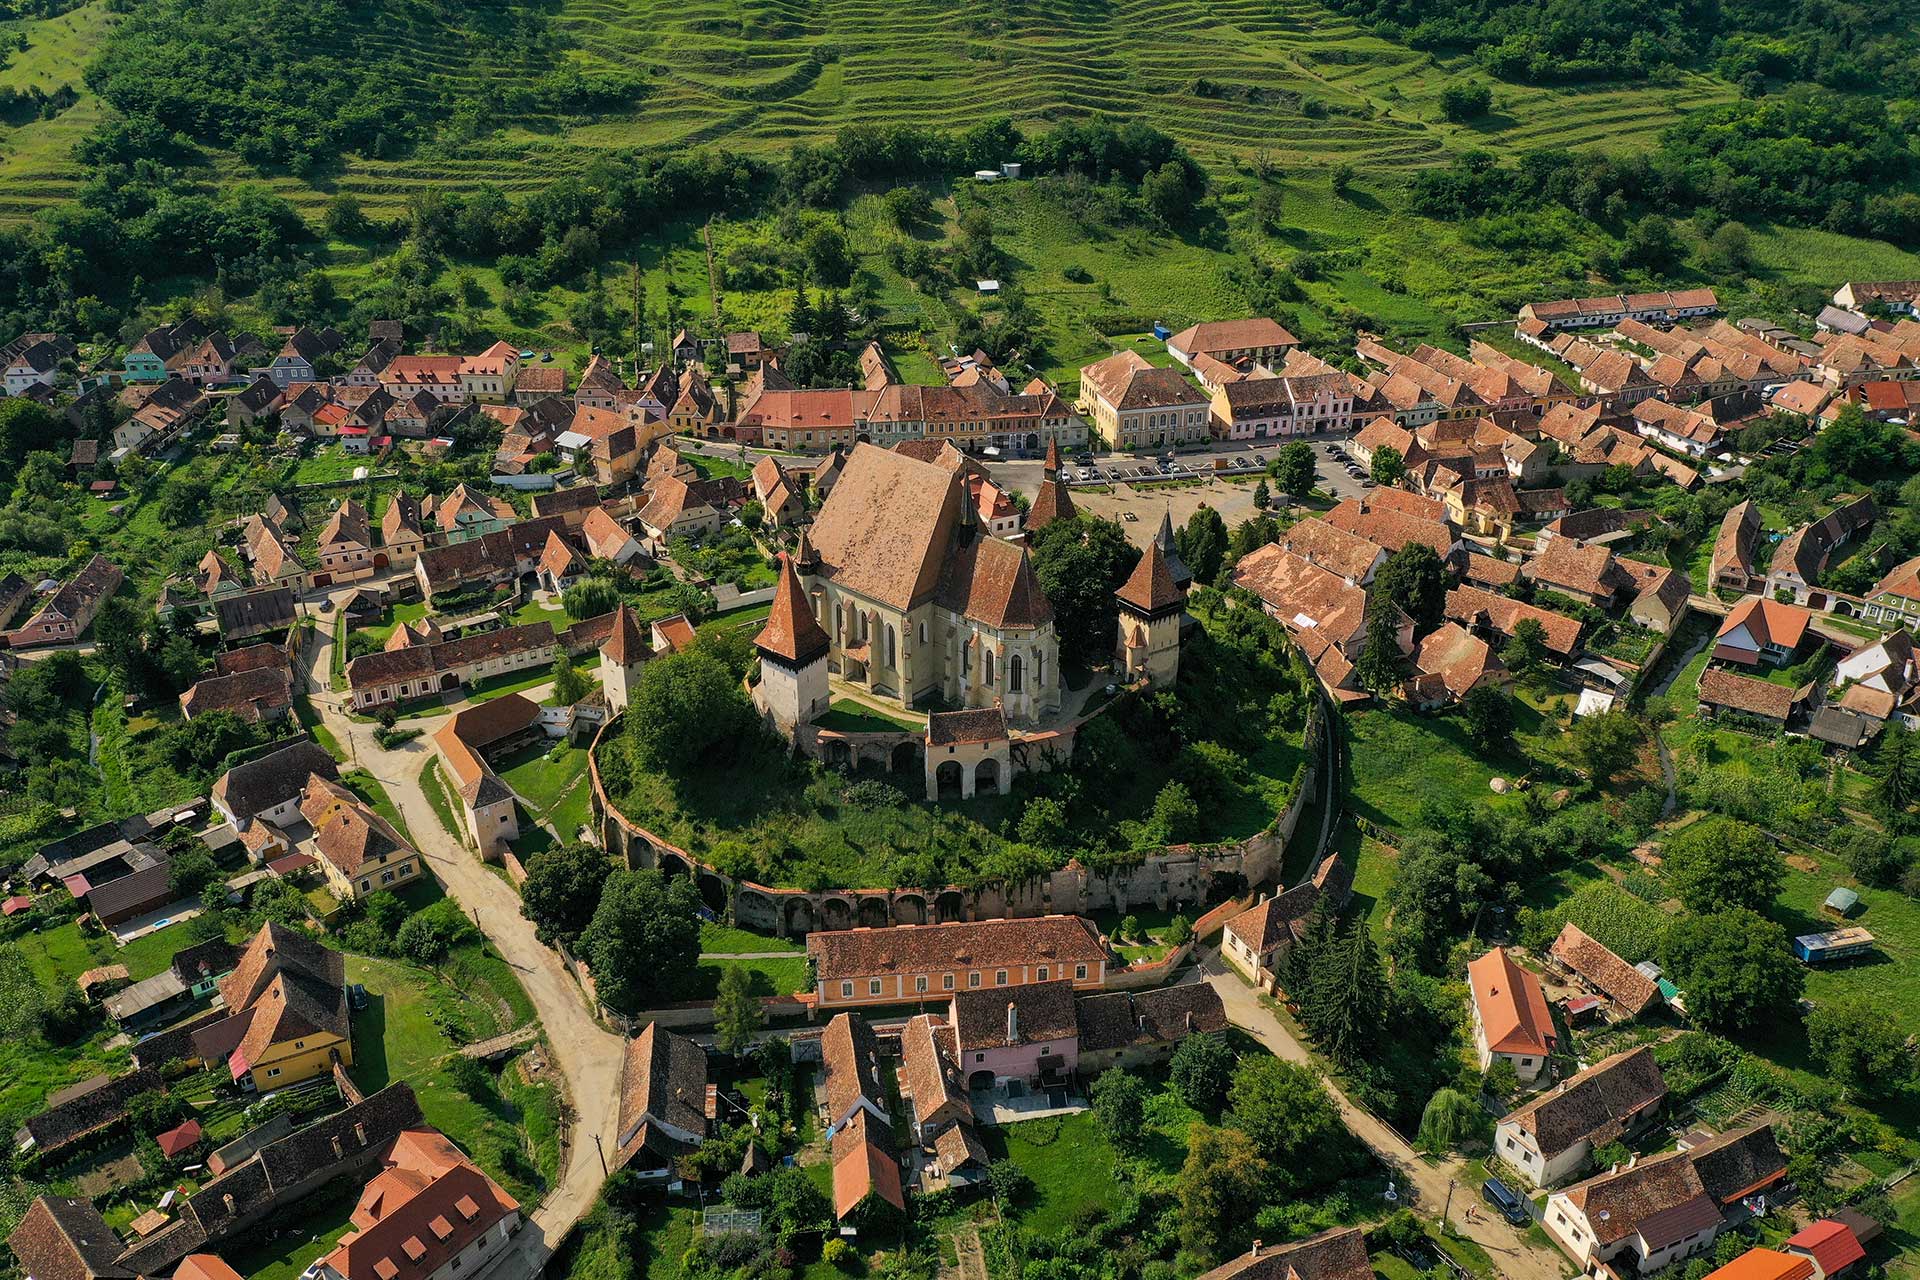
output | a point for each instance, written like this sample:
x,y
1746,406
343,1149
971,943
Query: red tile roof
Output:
x,y
1512,1006
1832,1245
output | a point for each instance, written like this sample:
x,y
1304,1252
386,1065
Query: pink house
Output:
x,y
1028,1033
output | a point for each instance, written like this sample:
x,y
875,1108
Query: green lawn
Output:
x,y
414,1020
845,715
510,682
721,939
296,1238
1070,1161
1398,759
437,796
390,620
768,977
542,773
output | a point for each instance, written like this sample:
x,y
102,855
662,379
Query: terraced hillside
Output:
x,y
1287,78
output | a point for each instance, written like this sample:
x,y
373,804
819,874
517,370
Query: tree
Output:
x,y
1221,1186
1526,648
1381,663
1450,1117
1861,1044
1340,178
684,708
1729,250
1120,1105
590,597
1414,579
1489,715
1387,466
1605,743
737,1015
1079,564
1282,1107
1176,818
1168,194
1201,1071
345,220
562,889
1719,863
1202,543
1735,969
1896,775
1293,468
25,425
1267,205
569,686
431,933
1344,999
1651,244
1465,101
644,939
1262,496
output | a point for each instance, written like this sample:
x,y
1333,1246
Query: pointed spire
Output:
x,y
1151,588
792,637
1053,502
805,558
1182,576
1051,467
625,645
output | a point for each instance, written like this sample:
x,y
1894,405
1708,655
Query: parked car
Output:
x,y
1510,1206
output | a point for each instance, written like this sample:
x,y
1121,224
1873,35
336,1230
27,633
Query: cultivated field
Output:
x,y
1284,78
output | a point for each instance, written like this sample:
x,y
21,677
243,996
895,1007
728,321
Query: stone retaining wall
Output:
x,y
1179,875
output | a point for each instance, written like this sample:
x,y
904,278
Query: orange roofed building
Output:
x,y
428,1215
1510,1015
932,961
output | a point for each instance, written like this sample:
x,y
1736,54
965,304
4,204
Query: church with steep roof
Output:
x,y
916,601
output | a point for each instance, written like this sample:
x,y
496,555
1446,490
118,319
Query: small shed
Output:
x,y
1840,944
987,286
1841,903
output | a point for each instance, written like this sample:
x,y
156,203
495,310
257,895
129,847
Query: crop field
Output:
x,y
1284,78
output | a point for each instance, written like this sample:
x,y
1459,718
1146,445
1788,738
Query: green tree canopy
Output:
x,y
1201,1072
562,889
1735,970
644,939
1293,468
1414,579
1079,564
1283,1108
685,709
1719,863
1120,1105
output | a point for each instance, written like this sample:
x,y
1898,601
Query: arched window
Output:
x,y
1014,675
988,669
1039,670
893,645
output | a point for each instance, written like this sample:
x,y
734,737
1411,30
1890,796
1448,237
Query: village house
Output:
x,y
358,851
1283,407
491,375
69,611
438,376
675,509
779,494
1450,663
663,1103
259,611
932,961
1490,613
496,727
257,694
1894,601
1139,1028
299,359
495,558
867,1179
269,787
1337,1254
1256,941
1760,630
1028,1033
1551,1136
32,361
287,1017
1732,565
1747,698
1588,574
1685,431
1133,405
1802,556
429,1214
1253,341
81,1109
1510,1015
417,671
938,1110
1829,1246
1605,312
1626,989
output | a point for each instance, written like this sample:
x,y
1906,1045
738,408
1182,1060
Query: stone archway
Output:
x,y
755,910
949,778
873,913
909,908
980,1082
836,913
839,755
949,907
672,864
905,758
986,777
713,892
799,915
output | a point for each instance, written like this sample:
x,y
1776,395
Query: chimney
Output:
x,y
227,1199
1013,1023
1255,1251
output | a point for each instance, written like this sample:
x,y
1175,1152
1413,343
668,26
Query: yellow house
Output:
x,y
355,848
288,1019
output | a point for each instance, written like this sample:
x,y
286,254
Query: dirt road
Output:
x,y
1421,1182
586,1054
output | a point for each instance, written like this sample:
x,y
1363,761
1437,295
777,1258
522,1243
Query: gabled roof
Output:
x,y
792,634
1720,687
1597,1105
997,1017
1150,588
1512,1006
1832,1245
1739,1162
1768,621
1765,1264
972,944
663,1079
1339,1254
1586,956
1660,1199
65,1238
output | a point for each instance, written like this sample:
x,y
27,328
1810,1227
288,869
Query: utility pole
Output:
x,y
638,334
1445,1222
601,1153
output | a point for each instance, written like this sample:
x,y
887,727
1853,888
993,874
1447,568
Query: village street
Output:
x,y
1423,1183
586,1054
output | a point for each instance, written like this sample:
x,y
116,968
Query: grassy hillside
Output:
x,y
1285,78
